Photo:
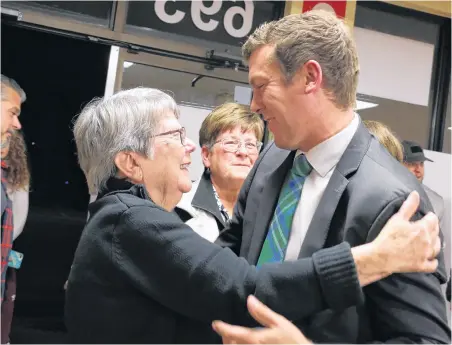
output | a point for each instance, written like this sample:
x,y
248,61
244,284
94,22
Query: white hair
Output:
x,y
125,121
9,83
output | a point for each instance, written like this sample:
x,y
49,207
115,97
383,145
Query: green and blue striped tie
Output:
x,y
275,245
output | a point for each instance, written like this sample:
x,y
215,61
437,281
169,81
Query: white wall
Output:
x,y
438,176
394,67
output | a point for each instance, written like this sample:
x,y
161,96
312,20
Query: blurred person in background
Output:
x,y
230,140
414,159
12,98
386,138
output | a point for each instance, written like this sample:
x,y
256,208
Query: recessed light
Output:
x,y
361,105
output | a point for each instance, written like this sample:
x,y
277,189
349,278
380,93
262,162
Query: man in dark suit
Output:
x,y
325,179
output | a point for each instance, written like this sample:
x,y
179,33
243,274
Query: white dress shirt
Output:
x,y
323,159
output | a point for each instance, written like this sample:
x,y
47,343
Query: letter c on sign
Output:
x,y
159,7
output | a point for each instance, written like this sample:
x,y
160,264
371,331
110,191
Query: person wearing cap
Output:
x,y
413,159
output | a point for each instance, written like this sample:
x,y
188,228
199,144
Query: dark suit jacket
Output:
x,y
367,187
140,275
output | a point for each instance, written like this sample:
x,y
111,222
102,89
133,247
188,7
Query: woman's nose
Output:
x,y
242,150
189,145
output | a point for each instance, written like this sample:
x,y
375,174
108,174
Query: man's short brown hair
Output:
x,y
314,35
226,117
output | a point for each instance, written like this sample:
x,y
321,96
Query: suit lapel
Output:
x,y
348,164
275,166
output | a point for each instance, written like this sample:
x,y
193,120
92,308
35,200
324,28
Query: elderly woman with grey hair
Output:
x,y
140,275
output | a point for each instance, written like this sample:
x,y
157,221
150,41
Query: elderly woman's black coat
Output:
x,y
140,275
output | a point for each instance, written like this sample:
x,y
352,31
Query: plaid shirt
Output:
x,y
7,229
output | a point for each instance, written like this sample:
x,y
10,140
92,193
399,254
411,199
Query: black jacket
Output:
x,y
140,275
366,188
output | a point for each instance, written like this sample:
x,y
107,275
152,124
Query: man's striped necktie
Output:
x,y
275,245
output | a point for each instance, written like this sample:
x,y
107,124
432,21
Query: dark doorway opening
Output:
x,y
60,75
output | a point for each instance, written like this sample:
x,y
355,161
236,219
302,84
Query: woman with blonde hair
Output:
x,y
230,138
386,138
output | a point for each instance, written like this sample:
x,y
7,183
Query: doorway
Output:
x,y
59,75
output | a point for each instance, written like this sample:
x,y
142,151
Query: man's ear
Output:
x,y
205,155
129,167
309,76
313,76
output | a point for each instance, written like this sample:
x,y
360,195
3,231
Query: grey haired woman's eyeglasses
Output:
x,y
181,132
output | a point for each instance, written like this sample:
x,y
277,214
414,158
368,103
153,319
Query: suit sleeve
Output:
x,y
170,263
407,308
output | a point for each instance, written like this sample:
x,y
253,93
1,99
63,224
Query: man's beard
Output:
x,y
5,143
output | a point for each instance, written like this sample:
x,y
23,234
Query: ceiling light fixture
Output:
x,y
361,105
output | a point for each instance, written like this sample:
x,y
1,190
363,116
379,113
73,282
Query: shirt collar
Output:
x,y
327,154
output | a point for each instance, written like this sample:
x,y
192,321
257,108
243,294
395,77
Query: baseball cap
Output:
x,y
413,152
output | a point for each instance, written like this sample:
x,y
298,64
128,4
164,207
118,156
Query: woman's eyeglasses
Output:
x,y
233,145
180,131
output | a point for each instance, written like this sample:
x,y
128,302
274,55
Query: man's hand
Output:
x,y
279,330
409,246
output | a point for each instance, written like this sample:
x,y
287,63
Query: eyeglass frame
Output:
x,y
240,144
182,134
